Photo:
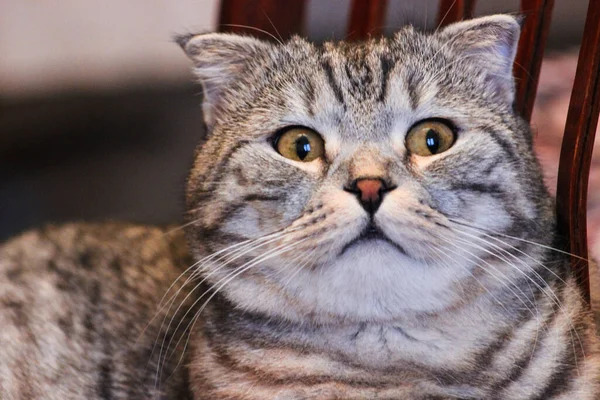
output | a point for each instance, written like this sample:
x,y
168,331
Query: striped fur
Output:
x,y
458,303
467,296
76,304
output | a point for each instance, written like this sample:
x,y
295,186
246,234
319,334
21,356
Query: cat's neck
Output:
x,y
446,338
259,350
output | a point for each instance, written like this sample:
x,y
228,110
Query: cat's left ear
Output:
x,y
491,42
219,60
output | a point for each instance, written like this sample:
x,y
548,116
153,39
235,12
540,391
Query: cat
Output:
x,y
364,220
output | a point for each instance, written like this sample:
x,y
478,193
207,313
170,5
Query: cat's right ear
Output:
x,y
492,42
219,59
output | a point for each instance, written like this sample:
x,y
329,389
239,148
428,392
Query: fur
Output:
x,y
463,296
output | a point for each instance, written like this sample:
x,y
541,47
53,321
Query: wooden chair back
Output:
x,y
284,18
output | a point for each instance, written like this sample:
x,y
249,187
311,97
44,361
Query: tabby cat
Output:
x,y
365,221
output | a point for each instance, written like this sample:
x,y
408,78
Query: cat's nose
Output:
x,y
370,193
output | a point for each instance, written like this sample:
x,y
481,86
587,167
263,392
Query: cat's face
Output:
x,y
353,166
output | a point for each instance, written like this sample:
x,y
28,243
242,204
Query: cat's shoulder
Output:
x,y
120,265
92,247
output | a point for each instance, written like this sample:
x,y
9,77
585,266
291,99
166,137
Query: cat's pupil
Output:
x,y
433,141
302,147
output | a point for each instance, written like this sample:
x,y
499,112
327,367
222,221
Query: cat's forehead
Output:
x,y
361,88
254,88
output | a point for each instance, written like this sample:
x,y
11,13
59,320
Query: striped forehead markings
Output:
x,y
337,91
386,66
361,79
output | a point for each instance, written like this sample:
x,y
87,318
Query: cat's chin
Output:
x,y
375,278
372,280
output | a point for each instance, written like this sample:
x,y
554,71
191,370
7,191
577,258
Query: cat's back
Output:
x,y
74,303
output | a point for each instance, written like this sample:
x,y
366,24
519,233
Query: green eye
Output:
x,y
300,144
429,137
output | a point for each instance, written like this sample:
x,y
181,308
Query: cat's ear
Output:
x,y
219,59
491,42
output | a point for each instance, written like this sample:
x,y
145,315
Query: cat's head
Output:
x,y
344,180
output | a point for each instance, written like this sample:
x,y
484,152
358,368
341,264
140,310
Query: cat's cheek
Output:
x,y
491,215
480,209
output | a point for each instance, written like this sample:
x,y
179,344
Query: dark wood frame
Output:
x,y
577,147
279,19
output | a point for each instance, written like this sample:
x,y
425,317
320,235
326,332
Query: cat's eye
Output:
x,y
430,137
300,144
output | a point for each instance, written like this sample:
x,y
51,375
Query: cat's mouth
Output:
x,y
370,234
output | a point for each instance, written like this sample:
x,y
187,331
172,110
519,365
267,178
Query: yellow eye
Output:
x,y
300,144
429,137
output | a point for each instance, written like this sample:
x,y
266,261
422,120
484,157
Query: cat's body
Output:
x,y
370,221
74,303
249,356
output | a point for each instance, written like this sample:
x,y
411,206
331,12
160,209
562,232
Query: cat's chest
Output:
x,y
395,346
358,362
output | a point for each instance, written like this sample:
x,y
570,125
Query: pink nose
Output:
x,y
370,190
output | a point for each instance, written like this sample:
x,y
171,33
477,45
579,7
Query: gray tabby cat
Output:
x,y
364,221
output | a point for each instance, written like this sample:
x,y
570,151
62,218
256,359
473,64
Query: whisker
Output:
x,y
274,28
256,29
305,260
517,238
245,249
513,248
222,283
161,306
549,293
271,239
445,16
223,253
191,278
509,283
537,313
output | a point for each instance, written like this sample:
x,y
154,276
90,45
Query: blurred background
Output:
x,y
99,118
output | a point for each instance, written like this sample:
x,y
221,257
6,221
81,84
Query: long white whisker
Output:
x,y
499,256
256,29
223,253
548,293
439,255
517,238
512,247
252,246
161,307
305,260
509,286
222,283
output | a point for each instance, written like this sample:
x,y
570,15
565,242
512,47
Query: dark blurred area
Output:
x,y
97,118
95,156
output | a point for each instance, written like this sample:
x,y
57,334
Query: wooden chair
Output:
x,y
284,18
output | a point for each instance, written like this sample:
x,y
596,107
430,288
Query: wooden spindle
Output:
x,y
577,146
455,10
267,19
469,10
537,14
366,19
